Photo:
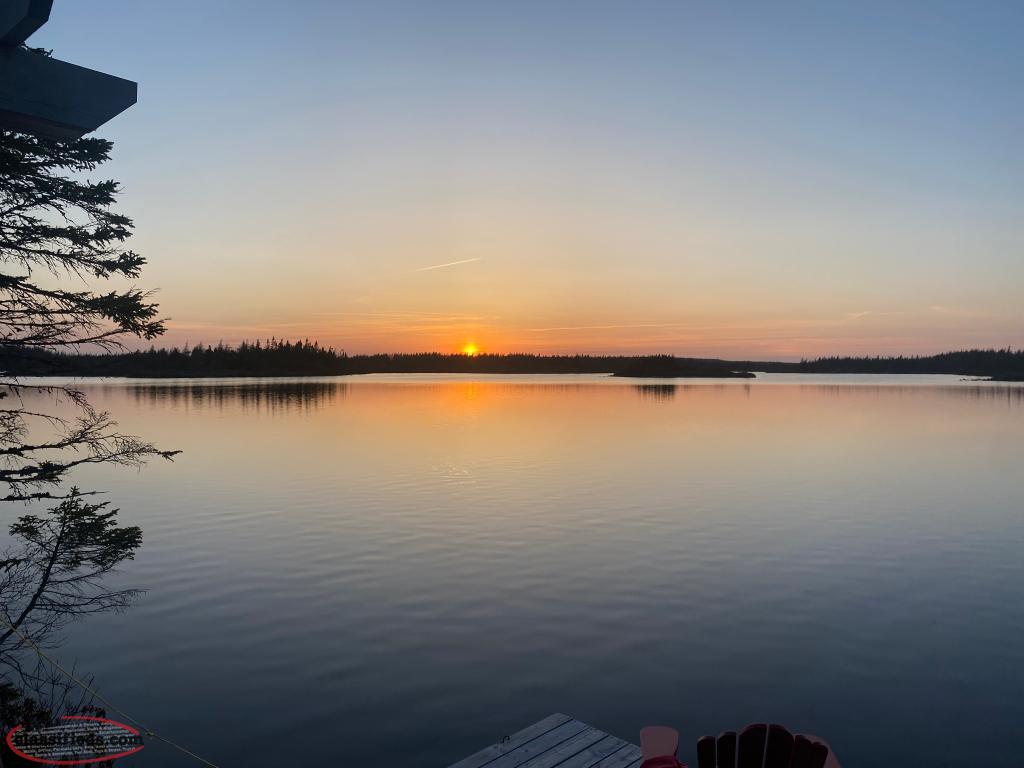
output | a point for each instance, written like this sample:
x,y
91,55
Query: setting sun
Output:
x,y
470,349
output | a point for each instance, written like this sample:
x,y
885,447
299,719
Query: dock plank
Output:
x,y
516,740
557,756
557,741
595,754
629,757
531,749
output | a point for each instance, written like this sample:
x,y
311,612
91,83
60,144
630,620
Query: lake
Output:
x,y
401,570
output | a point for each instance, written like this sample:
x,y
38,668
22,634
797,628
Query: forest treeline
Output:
x,y
997,363
304,358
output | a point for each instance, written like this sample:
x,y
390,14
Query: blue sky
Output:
x,y
732,179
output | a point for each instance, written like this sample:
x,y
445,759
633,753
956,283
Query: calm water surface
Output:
x,y
414,567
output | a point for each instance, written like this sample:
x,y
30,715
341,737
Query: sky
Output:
x,y
745,180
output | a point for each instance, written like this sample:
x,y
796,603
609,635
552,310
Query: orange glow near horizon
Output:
x,y
728,334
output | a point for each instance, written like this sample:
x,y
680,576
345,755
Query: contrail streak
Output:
x,y
449,264
603,327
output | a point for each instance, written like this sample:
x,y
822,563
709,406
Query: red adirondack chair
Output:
x,y
756,746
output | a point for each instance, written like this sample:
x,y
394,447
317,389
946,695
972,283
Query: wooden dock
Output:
x,y
557,741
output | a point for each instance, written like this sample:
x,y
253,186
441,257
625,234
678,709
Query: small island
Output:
x,y
669,367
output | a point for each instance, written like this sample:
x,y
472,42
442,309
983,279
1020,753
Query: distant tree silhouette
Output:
x,y
968,362
667,366
274,357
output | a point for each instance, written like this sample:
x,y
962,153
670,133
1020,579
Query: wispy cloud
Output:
x,y
423,317
602,327
447,264
915,311
956,311
199,325
872,313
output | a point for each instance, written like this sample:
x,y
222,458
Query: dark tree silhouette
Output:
x,y
53,574
56,571
58,229
45,706
61,245
64,224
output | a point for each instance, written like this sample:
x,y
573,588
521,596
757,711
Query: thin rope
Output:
x,y
99,697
